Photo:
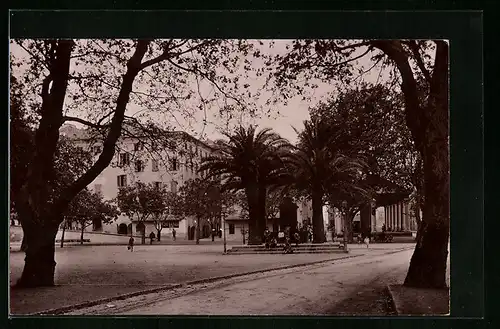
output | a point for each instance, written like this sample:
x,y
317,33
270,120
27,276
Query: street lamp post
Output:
x,y
344,208
224,230
197,228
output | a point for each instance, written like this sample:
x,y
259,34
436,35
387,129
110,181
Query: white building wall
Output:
x,y
106,183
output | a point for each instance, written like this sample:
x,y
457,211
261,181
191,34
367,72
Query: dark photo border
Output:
x,y
463,29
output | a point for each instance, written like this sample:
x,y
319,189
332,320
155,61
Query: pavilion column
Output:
x,y
388,216
385,216
405,217
393,217
398,216
402,216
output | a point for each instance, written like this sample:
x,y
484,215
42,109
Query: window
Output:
x,y
231,228
173,186
124,159
98,188
139,166
138,146
174,164
155,165
122,180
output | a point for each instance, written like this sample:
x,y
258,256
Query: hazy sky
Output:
x,y
283,117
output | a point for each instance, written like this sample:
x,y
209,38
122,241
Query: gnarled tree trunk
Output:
x,y
39,263
428,124
40,207
428,263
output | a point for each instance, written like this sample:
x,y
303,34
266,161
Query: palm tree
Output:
x,y
249,161
318,164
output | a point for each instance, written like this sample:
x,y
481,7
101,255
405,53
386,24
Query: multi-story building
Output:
x,y
139,159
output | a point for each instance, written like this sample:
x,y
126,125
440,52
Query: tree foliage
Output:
x,y
88,208
420,69
94,82
251,161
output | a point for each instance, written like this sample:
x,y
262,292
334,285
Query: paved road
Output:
x,y
351,286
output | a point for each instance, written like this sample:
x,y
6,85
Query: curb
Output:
x,y
65,309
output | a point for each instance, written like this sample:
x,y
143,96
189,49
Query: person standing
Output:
x,y
367,241
173,234
151,237
131,244
267,236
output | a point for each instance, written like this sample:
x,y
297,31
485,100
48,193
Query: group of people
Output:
x,y
283,237
152,236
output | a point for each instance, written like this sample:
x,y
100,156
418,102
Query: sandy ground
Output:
x,y
350,286
86,273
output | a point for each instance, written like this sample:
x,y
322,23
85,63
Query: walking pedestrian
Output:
x,y
131,244
151,237
173,234
267,237
367,241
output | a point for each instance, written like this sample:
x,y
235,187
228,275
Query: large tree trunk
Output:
x,y
24,242
350,234
317,218
82,230
256,214
40,232
428,263
428,124
39,263
63,232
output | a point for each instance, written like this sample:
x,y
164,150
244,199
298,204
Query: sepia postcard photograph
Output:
x,y
225,176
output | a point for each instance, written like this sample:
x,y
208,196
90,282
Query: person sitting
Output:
x,y
297,238
281,236
274,243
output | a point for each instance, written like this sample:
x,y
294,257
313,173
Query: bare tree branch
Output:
x,y
412,44
84,122
205,75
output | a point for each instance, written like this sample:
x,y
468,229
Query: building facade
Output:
x,y
140,161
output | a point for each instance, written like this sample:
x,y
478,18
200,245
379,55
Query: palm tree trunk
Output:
x,y
256,210
350,219
317,218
